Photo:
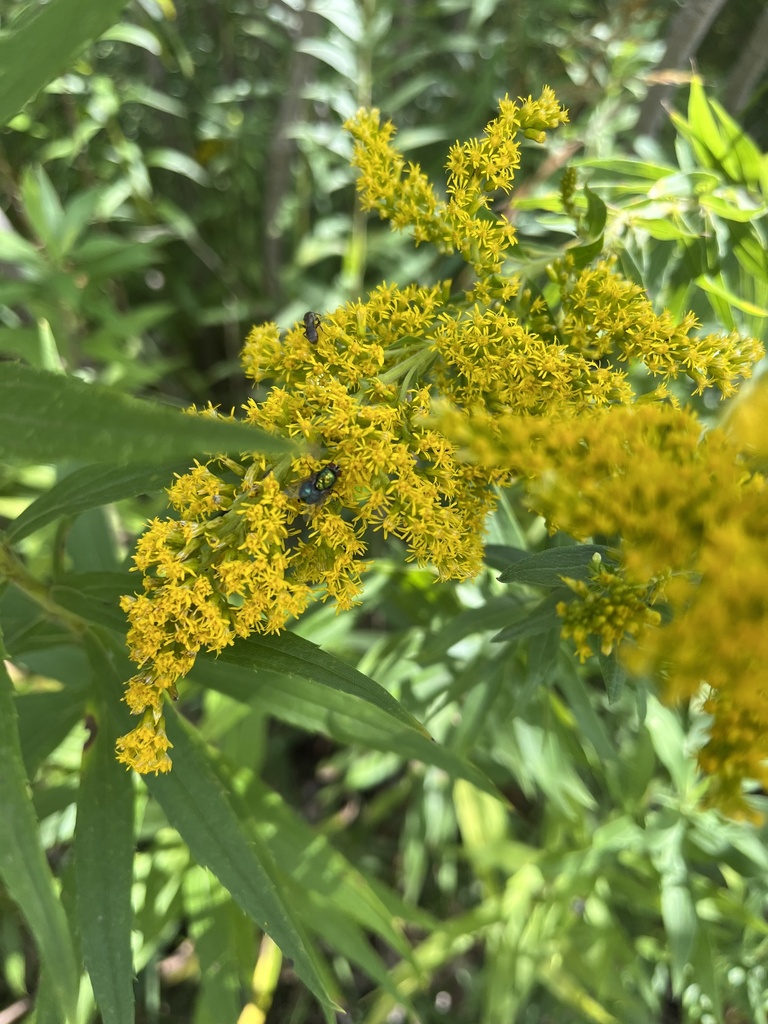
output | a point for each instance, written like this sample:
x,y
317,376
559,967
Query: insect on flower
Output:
x,y
311,322
317,487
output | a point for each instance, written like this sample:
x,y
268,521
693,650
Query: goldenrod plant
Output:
x,y
423,402
463,606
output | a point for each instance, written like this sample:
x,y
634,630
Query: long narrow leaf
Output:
x,y
296,698
88,488
546,568
95,597
716,289
43,44
347,703
47,417
293,655
44,720
103,870
196,805
23,865
312,861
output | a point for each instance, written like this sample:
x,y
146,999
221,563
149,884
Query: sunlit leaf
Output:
x,y
196,805
23,866
90,487
43,45
46,417
103,869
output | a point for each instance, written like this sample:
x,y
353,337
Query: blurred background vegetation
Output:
x,y
188,176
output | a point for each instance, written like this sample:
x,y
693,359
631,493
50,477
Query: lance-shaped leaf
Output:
x,y
88,488
23,866
47,417
196,805
42,44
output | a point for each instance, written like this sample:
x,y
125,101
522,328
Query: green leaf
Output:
x,y
178,163
543,758
221,934
590,726
542,654
569,990
310,858
294,697
22,342
293,655
45,719
136,36
662,230
686,185
629,168
750,252
14,248
43,208
44,44
697,259
139,92
728,209
337,930
26,625
49,351
348,19
23,866
540,619
594,221
705,969
716,289
90,487
666,735
103,257
493,614
499,556
681,925
103,871
743,161
347,705
613,673
703,130
546,568
341,58
46,417
95,596
47,1008
196,805
127,325
583,255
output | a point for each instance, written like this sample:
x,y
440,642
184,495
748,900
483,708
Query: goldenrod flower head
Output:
x,y
689,521
145,748
401,193
606,607
410,408
719,639
604,315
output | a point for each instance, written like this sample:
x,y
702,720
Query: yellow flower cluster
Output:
x,y
409,409
689,521
476,169
719,636
250,551
607,607
606,316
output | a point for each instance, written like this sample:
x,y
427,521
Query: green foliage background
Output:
x,y
545,859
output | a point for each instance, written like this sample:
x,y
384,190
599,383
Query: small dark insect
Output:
x,y
316,488
311,322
